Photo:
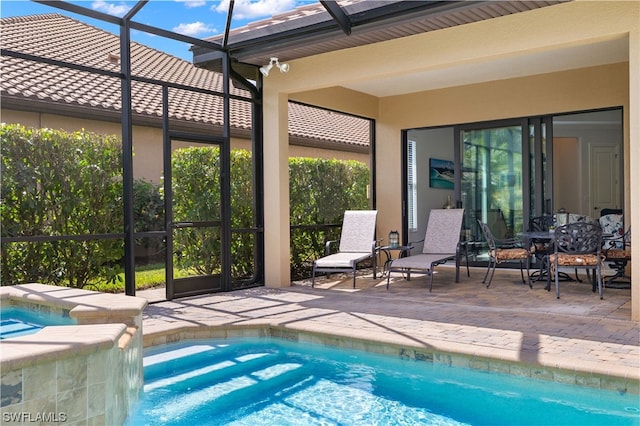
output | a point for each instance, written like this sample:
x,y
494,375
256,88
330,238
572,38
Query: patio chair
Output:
x,y
441,243
616,247
577,245
357,243
540,247
504,250
617,253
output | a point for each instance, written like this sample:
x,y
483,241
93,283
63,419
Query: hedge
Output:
x,y
53,184
58,184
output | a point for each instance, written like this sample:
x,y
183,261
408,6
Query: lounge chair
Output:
x,y
441,244
357,243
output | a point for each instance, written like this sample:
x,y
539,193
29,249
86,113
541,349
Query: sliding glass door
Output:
x,y
507,171
493,179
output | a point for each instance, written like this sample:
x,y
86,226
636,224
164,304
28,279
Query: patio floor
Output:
x,y
507,323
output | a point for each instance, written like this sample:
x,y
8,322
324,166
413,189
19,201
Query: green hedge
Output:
x,y
56,183
320,191
196,197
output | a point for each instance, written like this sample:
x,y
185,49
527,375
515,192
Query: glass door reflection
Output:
x,y
491,179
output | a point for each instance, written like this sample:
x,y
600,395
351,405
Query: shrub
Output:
x,y
59,184
196,198
320,191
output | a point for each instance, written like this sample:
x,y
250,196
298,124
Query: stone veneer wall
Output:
x,y
89,373
94,388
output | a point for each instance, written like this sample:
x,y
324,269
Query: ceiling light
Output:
x,y
284,68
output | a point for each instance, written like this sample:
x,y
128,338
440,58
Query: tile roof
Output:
x,y
58,37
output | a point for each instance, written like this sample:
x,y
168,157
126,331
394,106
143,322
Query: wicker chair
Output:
x,y
504,250
576,245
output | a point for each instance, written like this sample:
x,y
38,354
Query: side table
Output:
x,y
388,251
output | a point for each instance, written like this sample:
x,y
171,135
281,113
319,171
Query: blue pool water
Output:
x,y
276,382
16,322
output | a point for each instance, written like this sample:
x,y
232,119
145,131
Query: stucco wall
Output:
x,y
576,24
575,90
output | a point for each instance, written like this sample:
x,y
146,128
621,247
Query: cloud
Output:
x,y
194,29
248,9
110,8
190,4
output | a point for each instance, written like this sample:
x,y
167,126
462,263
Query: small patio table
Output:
x,y
387,250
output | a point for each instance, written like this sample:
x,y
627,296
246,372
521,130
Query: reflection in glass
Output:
x,y
492,179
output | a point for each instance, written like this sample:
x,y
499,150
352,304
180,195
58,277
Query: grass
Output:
x,y
147,276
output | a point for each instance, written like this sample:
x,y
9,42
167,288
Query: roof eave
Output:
x,y
256,46
115,116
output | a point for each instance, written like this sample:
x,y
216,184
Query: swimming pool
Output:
x,y
258,381
16,321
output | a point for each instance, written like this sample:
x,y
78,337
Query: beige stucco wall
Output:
x,y
576,23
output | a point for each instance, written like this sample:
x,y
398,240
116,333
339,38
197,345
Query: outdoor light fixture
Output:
x,y
394,239
284,68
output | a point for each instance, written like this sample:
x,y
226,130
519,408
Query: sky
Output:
x,y
195,18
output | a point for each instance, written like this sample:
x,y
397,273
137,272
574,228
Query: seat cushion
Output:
x,y
577,260
613,224
420,261
574,259
341,260
617,254
509,254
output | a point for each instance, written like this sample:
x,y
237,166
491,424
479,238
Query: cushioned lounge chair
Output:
x,y
441,244
357,243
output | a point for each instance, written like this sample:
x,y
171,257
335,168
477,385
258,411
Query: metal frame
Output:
x,y
126,24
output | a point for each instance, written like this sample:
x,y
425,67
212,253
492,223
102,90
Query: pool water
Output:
x,y
277,382
16,321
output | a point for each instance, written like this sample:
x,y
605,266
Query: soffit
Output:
x,y
520,65
310,30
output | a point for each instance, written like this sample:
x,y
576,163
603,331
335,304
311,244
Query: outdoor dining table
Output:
x,y
536,235
545,236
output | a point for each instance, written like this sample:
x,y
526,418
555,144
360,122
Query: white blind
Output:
x,y
412,186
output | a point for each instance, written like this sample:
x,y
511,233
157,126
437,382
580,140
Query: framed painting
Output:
x,y
441,174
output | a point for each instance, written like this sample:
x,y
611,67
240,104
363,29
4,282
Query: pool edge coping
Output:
x,y
447,353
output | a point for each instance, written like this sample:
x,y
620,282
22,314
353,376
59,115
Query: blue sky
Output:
x,y
196,18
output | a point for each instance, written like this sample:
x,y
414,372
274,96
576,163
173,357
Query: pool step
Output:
x,y
196,361
224,388
13,328
208,371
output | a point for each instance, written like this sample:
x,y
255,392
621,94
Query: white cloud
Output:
x,y
190,4
248,9
110,8
194,29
